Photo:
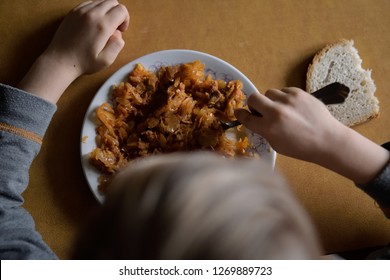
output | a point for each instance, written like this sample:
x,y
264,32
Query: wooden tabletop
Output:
x,y
270,41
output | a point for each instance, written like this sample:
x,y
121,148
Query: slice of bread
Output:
x,y
340,62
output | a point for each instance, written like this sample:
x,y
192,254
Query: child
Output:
x,y
175,206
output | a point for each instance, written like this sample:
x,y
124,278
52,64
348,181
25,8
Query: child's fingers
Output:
x,y
115,18
119,17
291,90
276,95
81,5
87,6
111,50
99,7
107,5
260,103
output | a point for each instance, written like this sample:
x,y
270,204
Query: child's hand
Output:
x,y
298,125
89,39
293,122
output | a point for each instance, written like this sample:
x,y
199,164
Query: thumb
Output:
x,y
112,48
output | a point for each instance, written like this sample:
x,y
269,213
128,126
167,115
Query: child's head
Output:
x,y
200,206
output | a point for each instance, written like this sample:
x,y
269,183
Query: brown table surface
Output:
x,y
270,41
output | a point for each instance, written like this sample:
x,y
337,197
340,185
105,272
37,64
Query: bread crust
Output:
x,y
352,112
317,58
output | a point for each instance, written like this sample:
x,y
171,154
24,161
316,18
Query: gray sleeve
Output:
x,y
379,187
24,119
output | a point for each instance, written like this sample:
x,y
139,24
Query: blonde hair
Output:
x,y
200,206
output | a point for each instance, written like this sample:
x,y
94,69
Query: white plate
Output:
x,y
213,65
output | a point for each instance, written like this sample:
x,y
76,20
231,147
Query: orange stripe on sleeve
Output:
x,y
21,132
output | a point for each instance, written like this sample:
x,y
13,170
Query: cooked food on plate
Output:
x,y
176,108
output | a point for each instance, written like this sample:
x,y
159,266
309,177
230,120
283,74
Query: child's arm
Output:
x,y
298,125
88,40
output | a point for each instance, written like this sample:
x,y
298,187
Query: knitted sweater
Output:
x,y
24,119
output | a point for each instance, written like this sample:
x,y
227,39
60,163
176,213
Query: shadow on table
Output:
x,y
297,75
